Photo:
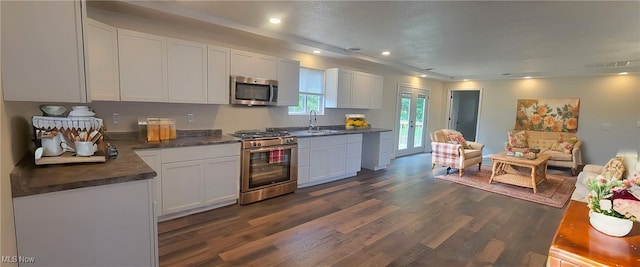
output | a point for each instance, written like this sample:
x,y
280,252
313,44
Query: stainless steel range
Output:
x,y
269,163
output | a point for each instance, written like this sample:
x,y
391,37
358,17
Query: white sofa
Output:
x,y
590,171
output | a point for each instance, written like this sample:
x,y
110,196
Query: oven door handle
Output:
x,y
271,148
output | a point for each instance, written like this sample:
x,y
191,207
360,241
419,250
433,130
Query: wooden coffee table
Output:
x,y
519,171
576,243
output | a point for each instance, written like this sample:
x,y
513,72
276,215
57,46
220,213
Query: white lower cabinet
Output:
x,y
194,179
182,186
153,158
221,180
107,225
303,161
354,153
328,158
377,150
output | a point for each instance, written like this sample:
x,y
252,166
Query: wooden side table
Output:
x,y
576,243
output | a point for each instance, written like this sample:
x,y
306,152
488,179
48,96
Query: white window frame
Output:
x,y
303,92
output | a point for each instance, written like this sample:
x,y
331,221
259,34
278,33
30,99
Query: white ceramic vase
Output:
x,y
610,225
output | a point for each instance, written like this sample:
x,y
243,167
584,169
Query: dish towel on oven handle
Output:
x,y
276,156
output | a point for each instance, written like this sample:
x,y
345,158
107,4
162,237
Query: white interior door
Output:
x,y
411,120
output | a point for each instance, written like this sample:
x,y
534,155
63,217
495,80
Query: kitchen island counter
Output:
x,y
30,179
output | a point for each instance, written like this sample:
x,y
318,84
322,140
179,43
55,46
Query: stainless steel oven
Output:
x,y
269,167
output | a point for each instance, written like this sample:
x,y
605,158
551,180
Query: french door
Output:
x,y
411,120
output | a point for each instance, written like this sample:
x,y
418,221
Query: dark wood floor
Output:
x,y
401,216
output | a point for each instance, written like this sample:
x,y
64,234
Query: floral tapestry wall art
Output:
x,y
548,115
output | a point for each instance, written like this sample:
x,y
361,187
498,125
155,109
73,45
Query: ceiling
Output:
x,y
447,40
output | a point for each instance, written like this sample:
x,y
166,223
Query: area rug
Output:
x,y
554,192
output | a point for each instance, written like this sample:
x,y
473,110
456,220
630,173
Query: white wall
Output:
x,y
608,99
7,229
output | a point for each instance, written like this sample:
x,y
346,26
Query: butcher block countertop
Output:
x,y
30,179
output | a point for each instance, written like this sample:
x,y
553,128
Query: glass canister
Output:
x,y
165,129
153,130
172,129
142,129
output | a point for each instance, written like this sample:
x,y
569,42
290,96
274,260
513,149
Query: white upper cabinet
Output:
x,y
376,92
42,51
103,78
288,82
338,88
143,66
360,90
249,64
187,71
353,89
218,75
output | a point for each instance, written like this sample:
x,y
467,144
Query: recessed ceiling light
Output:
x,y
527,77
623,73
386,53
465,80
275,21
423,75
317,51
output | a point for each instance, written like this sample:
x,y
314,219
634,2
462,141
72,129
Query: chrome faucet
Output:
x,y
312,123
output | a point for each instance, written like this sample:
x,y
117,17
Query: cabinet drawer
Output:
x,y
303,142
354,138
386,135
178,154
328,141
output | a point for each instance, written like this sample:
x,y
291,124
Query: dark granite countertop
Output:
x,y
30,179
330,130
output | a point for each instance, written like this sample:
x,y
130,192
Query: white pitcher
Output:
x,y
52,145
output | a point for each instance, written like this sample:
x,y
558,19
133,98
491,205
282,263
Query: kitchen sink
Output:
x,y
314,132
324,131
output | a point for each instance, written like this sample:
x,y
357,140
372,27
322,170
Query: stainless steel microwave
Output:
x,y
253,91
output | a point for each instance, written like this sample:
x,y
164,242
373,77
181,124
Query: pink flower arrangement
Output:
x,y
613,197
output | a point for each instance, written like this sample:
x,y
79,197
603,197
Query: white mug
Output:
x,y
85,149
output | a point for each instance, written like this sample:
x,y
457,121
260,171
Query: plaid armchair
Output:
x,y
454,155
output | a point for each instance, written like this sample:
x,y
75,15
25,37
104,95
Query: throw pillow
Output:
x,y
564,144
631,164
614,169
458,139
518,139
